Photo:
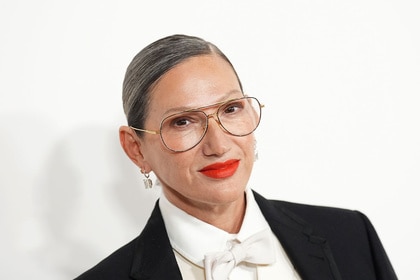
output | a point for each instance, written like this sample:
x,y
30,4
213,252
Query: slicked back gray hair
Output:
x,y
151,63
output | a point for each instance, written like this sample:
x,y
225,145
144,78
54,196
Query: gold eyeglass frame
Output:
x,y
214,115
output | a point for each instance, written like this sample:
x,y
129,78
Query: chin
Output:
x,y
227,194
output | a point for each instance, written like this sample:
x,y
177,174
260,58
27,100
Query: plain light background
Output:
x,y
340,81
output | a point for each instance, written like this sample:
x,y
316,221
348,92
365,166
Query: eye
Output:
x,y
180,122
183,121
233,107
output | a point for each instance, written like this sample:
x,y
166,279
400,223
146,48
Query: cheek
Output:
x,y
248,145
154,153
168,166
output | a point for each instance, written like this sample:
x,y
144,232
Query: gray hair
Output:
x,y
151,63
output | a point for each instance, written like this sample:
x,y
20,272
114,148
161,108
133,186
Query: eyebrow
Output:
x,y
187,108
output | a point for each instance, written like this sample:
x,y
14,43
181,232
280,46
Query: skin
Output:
x,y
196,82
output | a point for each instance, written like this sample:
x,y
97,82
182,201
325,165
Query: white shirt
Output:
x,y
192,238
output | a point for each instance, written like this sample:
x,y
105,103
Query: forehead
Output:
x,y
196,82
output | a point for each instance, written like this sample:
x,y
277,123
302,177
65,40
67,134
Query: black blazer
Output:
x,y
322,243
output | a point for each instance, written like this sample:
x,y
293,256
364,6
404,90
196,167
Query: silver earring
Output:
x,y
148,184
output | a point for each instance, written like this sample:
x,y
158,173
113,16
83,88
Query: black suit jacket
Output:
x,y
322,243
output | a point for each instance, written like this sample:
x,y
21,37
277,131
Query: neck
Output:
x,y
227,216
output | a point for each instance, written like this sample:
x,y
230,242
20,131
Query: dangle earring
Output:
x,y
148,184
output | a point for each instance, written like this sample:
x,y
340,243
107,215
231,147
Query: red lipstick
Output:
x,y
220,170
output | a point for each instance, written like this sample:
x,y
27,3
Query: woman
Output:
x,y
190,123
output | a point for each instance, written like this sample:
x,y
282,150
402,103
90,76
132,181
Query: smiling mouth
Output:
x,y
221,170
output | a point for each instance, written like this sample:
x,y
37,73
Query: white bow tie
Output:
x,y
257,249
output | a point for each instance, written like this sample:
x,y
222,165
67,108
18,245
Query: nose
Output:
x,y
216,140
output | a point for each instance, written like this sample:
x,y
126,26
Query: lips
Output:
x,y
221,170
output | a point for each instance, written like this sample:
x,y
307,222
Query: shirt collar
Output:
x,y
193,238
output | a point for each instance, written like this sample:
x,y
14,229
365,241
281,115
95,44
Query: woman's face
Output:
x,y
185,178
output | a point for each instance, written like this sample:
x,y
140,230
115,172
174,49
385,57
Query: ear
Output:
x,y
131,145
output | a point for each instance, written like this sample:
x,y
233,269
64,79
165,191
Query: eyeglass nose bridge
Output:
x,y
216,118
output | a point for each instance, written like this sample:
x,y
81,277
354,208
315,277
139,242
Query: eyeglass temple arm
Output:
x,y
145,130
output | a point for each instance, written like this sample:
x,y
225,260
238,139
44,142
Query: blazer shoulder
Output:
x,y
304,213
149,256
326,219
116,266
315,211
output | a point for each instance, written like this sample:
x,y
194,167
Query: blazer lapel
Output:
x,y
309,253
154,258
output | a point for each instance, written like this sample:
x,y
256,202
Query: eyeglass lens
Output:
x,y
183,131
